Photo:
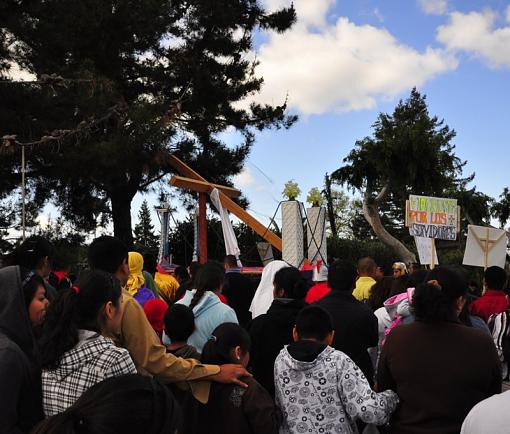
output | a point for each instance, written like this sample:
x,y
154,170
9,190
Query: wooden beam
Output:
x,y
202,226
230,205
202,186
252,222
184,169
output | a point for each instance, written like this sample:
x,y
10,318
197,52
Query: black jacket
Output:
x,y
20,378
239,291
269,334
355,328
232,410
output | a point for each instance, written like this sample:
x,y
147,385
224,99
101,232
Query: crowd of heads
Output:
x,y
93,301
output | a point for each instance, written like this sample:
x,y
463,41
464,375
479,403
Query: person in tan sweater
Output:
x,y
137,336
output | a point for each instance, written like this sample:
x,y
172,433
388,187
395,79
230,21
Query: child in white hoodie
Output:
x,y
320,389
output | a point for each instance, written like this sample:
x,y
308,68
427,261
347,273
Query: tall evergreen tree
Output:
x,y
122,85
145,239
410,152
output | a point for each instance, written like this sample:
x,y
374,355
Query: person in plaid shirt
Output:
x,y
77,351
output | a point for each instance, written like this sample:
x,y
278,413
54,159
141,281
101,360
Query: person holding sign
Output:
x,y
493,299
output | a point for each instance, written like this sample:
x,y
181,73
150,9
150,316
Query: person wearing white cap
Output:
x,y
321,287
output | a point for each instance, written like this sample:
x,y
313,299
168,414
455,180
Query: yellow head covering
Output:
x,y
135,279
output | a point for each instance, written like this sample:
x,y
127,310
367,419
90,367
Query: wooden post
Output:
x,y
486,249
432,255
23,193
202,226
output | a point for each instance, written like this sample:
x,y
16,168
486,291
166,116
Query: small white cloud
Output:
x,y
378,15
244,179
15,73
434,7
309,12
475,34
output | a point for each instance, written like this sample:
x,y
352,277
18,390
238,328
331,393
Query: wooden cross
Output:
x,y
486,244
191,180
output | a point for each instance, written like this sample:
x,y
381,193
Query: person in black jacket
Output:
x,y
271,331
238,290
22,306
354,322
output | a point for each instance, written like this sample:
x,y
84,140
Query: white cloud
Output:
x,y
434,7
309,12
475,34
378,15
244,179
15,73
340,66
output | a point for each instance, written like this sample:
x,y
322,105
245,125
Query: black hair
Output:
x,y
342,276
179,322
209,278
125,404
225,337
292,282
181,273
76,308
107,253
400,285
366,265
436,301
313,322
30,282
193,269
149,263
230,260
30,253
495,278
416,278
380,292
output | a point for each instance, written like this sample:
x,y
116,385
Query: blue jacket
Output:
x,y
210,312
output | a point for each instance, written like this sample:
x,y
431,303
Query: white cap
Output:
x,y
320,272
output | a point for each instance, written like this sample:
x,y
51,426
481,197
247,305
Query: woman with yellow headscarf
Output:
x,y
136,281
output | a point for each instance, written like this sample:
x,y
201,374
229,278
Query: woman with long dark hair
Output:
x,y
207,307
77,350
439,367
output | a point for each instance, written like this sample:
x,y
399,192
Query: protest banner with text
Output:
x,y
433,217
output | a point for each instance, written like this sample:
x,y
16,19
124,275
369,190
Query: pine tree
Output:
x,y
145,239
138,81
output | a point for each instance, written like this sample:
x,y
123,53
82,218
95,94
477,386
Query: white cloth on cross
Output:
x,y
231,246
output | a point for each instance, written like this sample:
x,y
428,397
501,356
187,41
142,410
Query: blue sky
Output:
x,y
346,61
463,52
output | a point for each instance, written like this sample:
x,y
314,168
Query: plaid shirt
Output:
x,y
94,359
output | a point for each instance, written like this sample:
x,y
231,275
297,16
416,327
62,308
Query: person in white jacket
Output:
x,y
320,389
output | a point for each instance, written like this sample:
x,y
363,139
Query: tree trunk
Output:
x,y
329,205
371,213
121,216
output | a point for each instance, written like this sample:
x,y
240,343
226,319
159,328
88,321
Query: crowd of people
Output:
x,y
128,346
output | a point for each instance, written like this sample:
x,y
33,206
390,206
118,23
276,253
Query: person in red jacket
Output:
x,y
493,299
320,279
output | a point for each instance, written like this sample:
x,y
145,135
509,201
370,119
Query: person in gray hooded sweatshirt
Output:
x,y
320,389
20,384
